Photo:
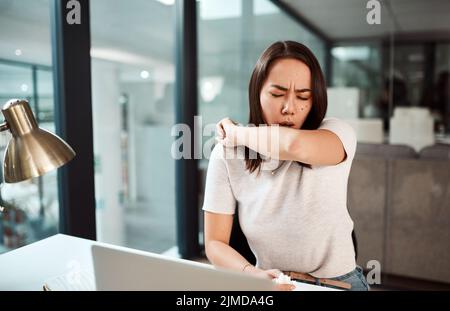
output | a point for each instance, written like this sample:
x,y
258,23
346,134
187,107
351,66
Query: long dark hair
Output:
x,y
279,50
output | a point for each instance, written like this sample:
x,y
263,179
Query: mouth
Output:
x,y
287,124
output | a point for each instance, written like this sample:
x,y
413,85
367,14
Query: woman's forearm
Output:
x,y
275,142
223,255
316,147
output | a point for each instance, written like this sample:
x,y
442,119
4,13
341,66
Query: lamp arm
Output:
x,y
4,127
2,208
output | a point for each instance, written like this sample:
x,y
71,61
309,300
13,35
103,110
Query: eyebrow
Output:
x,y
285,89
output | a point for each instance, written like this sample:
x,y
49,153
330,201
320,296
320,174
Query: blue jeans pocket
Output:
x,y
355,278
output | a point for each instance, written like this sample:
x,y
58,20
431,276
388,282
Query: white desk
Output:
x,y
28,267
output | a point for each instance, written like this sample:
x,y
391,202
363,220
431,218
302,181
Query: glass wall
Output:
x,y
133,80
31,207
231,37
391,82
359,66
440,96
417,76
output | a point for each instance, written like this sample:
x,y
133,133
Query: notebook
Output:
x,y
302,287
75,281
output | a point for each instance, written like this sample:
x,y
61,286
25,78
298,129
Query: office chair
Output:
x,y
239,242
355,244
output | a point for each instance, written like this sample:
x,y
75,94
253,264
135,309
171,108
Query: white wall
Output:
x,y
106,116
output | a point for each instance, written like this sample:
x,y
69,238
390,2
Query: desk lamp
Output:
x,y
32,151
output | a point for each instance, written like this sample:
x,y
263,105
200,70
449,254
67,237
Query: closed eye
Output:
x,y
303,97
299,97
276,95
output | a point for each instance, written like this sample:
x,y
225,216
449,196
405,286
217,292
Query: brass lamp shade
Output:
x,y
32,151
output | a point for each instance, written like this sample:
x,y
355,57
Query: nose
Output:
x,y
288,106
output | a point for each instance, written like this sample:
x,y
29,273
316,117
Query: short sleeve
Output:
x,y
218,196
345,132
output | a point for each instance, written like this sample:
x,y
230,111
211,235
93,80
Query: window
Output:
x,y
133,80
31,207
440,97
358,66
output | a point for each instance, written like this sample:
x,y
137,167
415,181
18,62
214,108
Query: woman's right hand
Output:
x,y
265,274
269,274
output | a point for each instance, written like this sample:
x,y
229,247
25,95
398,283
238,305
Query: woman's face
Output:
x,y
286,96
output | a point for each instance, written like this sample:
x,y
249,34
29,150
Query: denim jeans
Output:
x,y
355,278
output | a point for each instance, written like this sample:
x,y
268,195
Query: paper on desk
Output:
x,y
302,287
77,281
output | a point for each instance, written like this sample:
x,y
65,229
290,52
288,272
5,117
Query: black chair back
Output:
x,y
239,242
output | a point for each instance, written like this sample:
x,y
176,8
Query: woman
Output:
x,y
294,215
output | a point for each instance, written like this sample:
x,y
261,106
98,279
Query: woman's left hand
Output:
x,y
227,133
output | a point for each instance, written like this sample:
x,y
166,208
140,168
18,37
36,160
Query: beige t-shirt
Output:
x,y
295,219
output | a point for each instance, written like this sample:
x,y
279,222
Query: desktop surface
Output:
x,y
29,267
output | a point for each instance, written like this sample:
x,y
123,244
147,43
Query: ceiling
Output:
x,y
143,30
144,26
346,19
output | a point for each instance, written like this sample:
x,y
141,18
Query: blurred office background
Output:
x,y
390,81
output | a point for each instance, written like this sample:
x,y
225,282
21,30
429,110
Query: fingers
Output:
x,y
274,272
224,141
220,127
285,287
220,130
226,132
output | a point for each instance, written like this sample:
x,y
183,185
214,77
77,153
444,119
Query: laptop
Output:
x,y
118,268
